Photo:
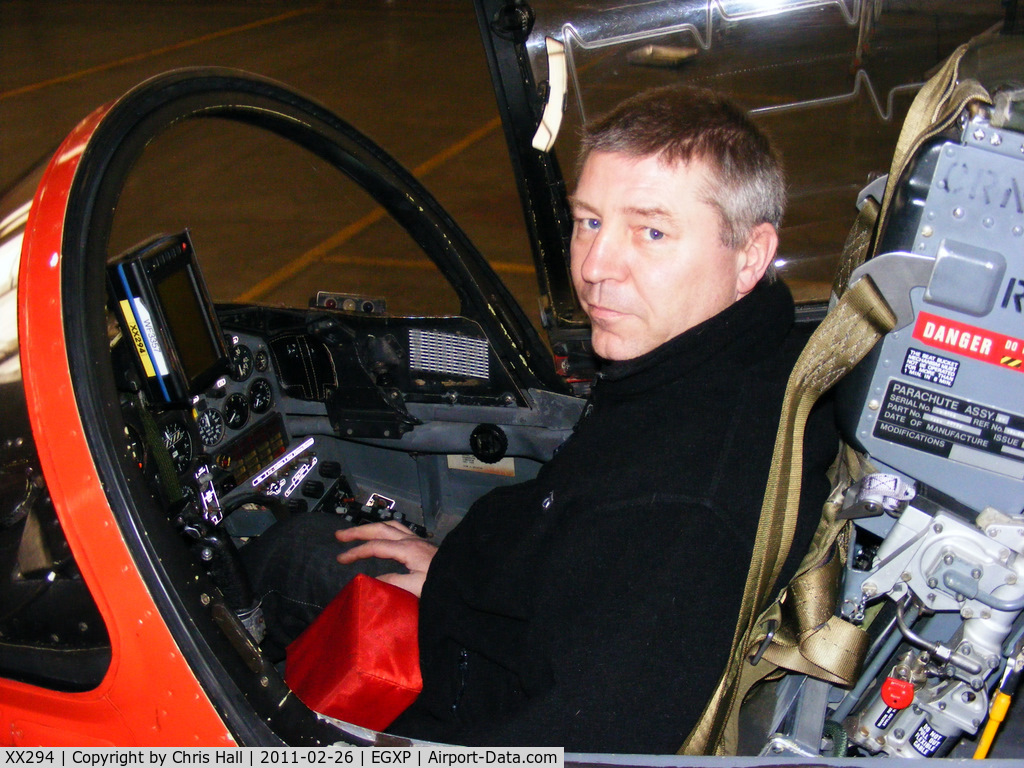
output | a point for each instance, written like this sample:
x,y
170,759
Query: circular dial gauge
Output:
x,y
178,443
241,362
236,411
261,396
262,361
211,426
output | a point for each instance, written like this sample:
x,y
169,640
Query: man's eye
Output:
x,y
591,223
654,234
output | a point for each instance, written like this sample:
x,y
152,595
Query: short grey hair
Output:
x,y
746,183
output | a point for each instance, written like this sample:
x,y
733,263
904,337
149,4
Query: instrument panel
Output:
x,y
233,444
285,419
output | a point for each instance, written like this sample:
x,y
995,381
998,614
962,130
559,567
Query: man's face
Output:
x,y
647,257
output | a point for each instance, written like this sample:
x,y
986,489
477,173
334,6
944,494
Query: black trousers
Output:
x,y
294,572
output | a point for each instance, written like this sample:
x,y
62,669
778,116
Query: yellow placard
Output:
x,y
136,334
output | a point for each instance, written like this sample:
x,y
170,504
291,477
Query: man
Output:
x,y
593,607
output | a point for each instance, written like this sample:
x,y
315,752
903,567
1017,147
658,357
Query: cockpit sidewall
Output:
x,y
143,653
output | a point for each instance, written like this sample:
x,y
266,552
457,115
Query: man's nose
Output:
x,y
603,258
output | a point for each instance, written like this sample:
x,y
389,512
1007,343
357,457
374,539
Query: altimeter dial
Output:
x,y
241,362
178,442
210,424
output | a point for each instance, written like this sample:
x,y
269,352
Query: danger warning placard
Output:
x,y
969,341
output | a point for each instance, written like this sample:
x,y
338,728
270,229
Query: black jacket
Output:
x,y
593,607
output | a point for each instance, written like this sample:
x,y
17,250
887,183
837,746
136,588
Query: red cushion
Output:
x,y
359,661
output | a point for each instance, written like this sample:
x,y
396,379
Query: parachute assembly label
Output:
x,y
951,427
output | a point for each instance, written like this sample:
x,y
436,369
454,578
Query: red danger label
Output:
x,y
969,341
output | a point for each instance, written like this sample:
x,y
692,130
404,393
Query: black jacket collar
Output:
x,y
745,331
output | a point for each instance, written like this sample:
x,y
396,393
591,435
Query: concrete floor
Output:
x,y
269,225
409,74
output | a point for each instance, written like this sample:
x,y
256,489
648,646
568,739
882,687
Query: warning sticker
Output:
x,y
952,427
932,368
927,740
969,341
506,467
885,718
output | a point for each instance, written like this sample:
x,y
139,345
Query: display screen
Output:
x,y
167,313
187,323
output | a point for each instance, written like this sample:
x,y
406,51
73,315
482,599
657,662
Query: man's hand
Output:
x,y
393,541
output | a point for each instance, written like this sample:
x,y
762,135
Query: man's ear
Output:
x,y
755,257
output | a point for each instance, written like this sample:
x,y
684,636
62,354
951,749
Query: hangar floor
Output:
x,y
410,74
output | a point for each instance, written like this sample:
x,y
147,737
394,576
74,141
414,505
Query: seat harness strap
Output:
x,y
848,332
799,631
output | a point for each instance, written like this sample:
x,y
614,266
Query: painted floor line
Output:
x,y
156,52
320,251
425,264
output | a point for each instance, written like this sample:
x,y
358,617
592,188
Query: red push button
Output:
x,y
896,693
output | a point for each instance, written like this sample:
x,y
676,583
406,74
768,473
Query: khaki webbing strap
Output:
x,y
853,327
855,250
924,113
847,334
808,640
936,107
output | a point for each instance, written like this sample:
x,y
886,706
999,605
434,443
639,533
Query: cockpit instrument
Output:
x,y
165,309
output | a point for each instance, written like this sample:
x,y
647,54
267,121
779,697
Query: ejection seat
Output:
x,y
905,618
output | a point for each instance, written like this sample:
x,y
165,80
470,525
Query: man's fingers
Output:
x,y
414,553
388,550
391,529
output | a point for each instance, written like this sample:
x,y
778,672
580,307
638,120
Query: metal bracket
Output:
x,y
895,274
